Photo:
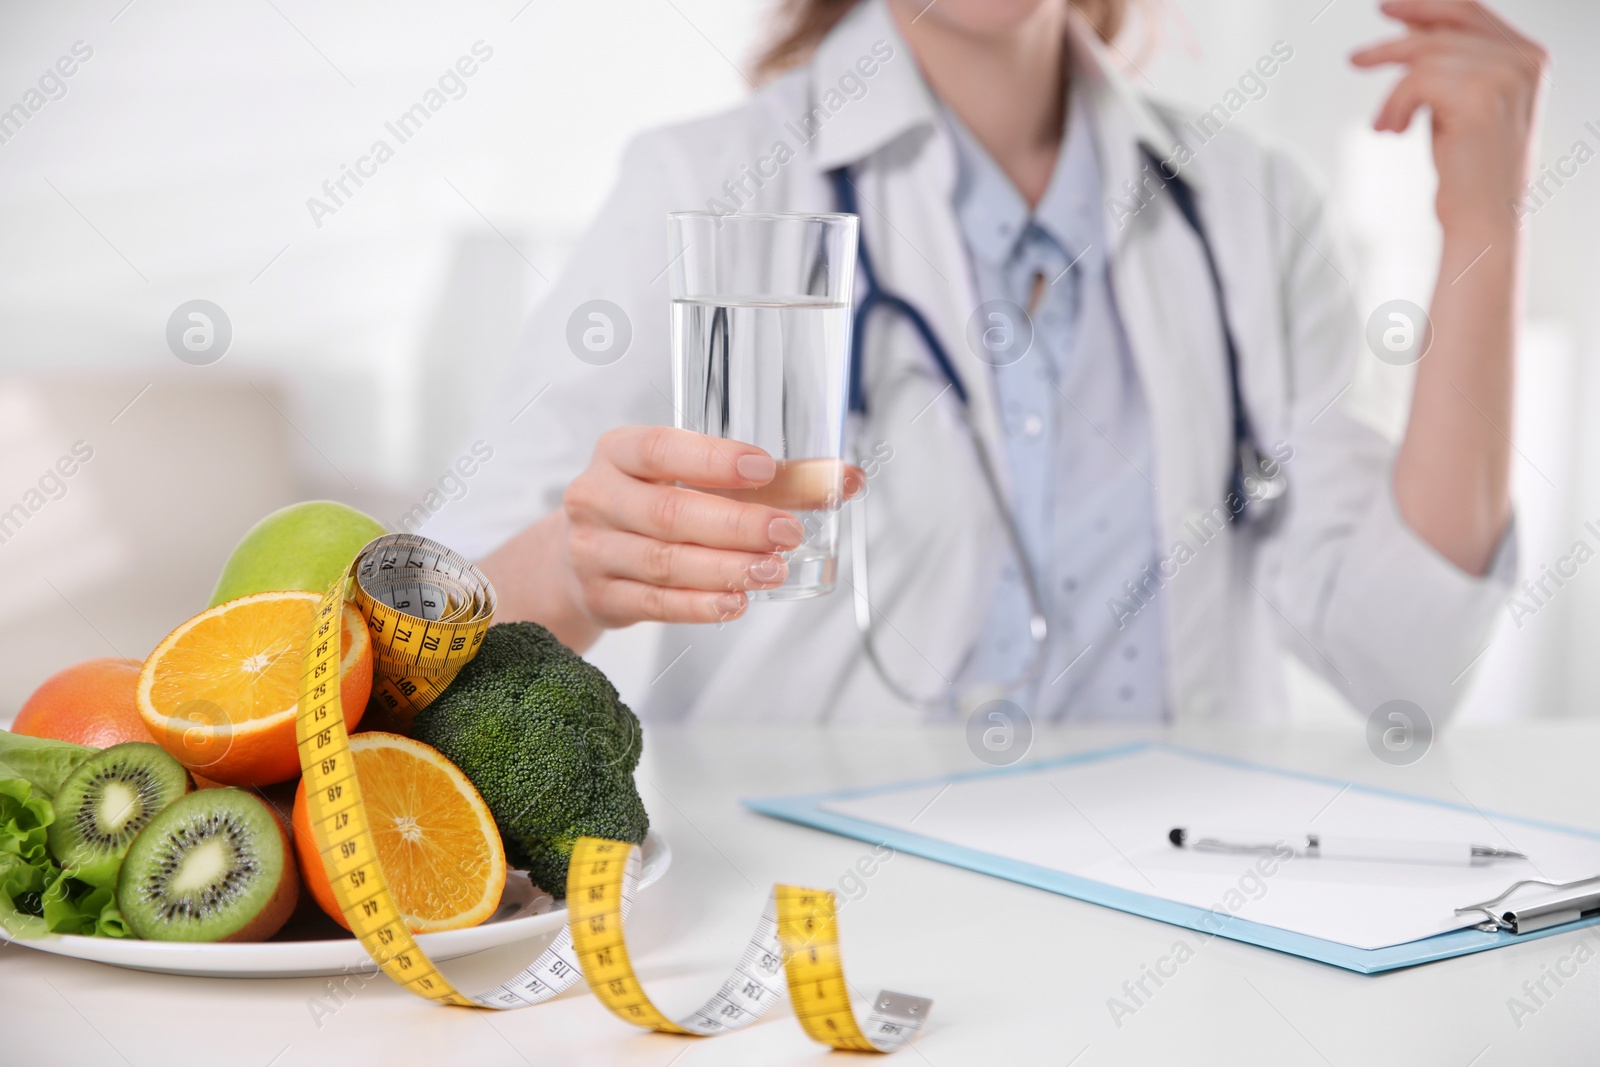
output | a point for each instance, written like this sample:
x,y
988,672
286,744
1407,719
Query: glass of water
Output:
x,y
761,354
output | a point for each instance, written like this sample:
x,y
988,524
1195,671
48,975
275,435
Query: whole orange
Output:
x,y
90,703
221,692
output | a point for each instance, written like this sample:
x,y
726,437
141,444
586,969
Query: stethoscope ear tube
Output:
x,y
861,587
861,583
1257,490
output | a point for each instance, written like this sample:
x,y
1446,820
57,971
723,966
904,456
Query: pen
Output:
x,y
1334,847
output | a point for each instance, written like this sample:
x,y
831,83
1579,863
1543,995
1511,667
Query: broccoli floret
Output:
x,y
543,735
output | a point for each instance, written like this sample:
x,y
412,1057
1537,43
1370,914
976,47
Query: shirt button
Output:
x,y
1032,425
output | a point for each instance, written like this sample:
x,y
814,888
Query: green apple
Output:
x,y
302,546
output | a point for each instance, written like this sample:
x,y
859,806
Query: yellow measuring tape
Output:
x,y
428,610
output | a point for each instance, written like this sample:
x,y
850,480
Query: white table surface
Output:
x,y
1018,976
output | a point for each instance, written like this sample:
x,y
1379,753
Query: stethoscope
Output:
x,y
1258,487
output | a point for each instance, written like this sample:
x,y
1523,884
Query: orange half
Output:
x,y
221,691
436,840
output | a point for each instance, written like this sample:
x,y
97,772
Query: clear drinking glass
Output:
x,y
761,354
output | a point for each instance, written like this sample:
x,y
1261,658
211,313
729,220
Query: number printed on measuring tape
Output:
x,y
796,923
428,609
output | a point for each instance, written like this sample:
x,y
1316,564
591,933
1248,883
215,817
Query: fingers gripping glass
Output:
x,y
760,347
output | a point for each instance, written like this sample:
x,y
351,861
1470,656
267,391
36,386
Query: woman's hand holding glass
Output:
x,y
651,531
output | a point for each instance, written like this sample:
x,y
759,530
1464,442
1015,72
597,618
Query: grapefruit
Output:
x,y
91,703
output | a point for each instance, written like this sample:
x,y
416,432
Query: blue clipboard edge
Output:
x,y
806,810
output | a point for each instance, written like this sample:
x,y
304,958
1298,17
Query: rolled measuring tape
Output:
x,y
428,610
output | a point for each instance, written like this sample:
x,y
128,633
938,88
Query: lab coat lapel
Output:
x,y
1160,285
1162,291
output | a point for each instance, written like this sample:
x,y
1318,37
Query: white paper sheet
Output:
x,y
1108,820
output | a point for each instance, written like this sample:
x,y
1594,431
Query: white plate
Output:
x,y
524,912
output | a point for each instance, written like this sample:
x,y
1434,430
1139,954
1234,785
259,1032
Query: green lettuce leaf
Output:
x,y
21,894
25,818
40,761
74,906
26,869
36,896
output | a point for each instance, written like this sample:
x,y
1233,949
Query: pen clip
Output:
x,y
1499,921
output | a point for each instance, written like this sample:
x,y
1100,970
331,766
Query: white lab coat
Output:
x,y
1343,581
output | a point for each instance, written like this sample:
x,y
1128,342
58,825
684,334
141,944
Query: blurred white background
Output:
x,y
179,159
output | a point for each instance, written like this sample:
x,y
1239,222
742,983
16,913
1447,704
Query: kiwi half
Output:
x,y
113,795
214,866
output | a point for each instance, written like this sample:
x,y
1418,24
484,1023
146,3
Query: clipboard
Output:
x,y
1507,908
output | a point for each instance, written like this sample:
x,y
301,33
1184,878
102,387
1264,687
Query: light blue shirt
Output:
x,y
1078,445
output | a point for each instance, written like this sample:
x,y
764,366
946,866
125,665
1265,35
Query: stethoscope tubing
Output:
x,y
874,297
1262,512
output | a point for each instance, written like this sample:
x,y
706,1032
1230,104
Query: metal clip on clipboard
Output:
x,y
1572,901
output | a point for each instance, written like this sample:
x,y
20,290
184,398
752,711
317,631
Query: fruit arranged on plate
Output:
x,y
221,691
92,703
113,795
437,843
189,838
215,865
302,546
